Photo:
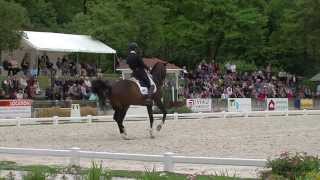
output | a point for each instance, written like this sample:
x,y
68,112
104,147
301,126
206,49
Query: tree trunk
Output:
x,y
84,6
213,49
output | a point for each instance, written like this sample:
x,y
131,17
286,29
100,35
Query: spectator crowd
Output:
x,y
69,80
209,80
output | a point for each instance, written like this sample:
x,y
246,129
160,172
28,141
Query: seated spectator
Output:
x,y
13,67
2,94
205,81
93,97
74,92
20,94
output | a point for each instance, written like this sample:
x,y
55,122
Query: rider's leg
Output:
x,y
142,76
150,87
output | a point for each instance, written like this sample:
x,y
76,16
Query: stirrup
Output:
x,y
148,100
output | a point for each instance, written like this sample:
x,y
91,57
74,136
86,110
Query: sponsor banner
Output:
x,y
277,104
306,104
15,108
239,104
199,105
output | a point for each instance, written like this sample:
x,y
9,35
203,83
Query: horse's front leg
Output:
x,y
149,107
118,117
164,113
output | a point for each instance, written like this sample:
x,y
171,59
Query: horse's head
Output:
x,y
102,89
159,72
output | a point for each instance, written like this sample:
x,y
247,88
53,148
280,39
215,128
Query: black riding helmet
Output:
x,y
133,46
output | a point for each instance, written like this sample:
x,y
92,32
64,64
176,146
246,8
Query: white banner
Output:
x,y
15,108
239,104
277,104
199,105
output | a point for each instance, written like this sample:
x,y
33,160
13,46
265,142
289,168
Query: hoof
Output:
x,y
151,134
124,136
159,127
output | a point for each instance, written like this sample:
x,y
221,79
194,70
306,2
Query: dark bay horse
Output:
x,y
124,93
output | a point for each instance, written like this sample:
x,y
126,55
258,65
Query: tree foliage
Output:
x,y
285,33
13,18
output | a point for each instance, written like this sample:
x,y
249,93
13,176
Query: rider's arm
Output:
x,y
142,64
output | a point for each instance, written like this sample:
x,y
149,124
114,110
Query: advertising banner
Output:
x,y
239,104
15,108
199,105
306,104
277,104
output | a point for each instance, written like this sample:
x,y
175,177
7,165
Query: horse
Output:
x,y
124,93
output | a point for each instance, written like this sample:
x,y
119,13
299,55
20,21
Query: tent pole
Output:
x,y
99,61
177,84
77,63
38,65
114,63
0,56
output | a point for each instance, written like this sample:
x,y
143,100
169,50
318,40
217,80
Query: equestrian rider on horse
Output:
x,y
138,68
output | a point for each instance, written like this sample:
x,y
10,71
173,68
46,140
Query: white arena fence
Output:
x,y
175,116
168,159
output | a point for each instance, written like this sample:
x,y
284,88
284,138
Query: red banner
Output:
x,y
15,108
16,102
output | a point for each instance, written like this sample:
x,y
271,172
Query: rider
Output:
x,y
138,68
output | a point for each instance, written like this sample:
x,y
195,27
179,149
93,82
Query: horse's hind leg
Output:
x,y
116,117
151,121
164,112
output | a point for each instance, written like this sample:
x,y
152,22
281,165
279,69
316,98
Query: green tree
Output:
x,y
42,14
296,41
118,23
13,18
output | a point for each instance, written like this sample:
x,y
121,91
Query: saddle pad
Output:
x,y
144,90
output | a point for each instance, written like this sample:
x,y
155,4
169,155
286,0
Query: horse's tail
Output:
x,y
102,89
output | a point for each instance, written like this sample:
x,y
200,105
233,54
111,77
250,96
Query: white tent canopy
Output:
x,y
58,42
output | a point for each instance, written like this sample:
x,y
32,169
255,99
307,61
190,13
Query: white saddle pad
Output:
x,y
144,90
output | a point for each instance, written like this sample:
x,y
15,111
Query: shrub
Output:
x,y
36,174
293,166
176,103
312,176
182,109
65,112
96,172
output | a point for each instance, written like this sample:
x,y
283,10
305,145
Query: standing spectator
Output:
x,y
59,66
25,63
42,64
87,82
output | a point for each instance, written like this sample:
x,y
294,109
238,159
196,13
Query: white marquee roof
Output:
x,y
58,42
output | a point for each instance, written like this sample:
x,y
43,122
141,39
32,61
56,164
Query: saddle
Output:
x,y
142,86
